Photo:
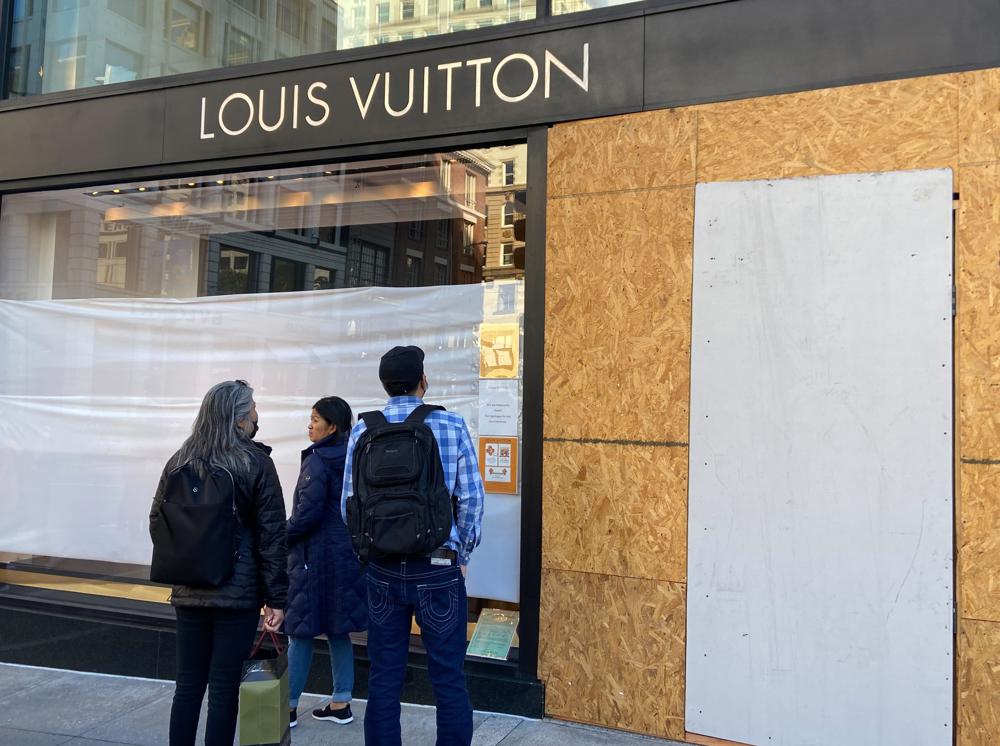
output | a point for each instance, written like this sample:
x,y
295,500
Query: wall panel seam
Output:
x,y
618,442
978,164
552,568
664,188
981,621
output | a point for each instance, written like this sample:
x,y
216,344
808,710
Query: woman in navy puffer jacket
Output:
x,y
326,585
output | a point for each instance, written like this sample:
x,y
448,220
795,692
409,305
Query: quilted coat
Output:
x,y
259,574
326,585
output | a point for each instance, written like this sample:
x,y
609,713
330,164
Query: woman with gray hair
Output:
x,y
216,623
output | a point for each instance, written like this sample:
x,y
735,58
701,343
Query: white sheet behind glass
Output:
x,y
96,394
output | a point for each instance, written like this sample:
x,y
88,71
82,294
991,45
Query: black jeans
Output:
x,y
211,647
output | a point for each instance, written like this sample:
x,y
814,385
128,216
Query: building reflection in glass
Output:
x,y
433,219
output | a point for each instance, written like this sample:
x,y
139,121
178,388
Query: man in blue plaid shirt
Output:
x,y
432,587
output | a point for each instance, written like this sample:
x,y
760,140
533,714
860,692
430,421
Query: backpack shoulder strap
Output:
x,y
373,419
421,412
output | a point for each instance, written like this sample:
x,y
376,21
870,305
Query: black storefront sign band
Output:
x,y
529,79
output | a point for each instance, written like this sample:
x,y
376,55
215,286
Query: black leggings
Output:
x,y
211,647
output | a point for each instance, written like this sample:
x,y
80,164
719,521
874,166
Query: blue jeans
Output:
x,y
398,589
300,653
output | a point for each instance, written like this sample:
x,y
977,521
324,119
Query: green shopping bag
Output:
x,y
264,696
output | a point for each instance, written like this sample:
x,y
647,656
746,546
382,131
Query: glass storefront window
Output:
x,y
561,7
259,231
140,295
60,45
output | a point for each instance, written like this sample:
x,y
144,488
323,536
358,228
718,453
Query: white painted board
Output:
x,y
820,512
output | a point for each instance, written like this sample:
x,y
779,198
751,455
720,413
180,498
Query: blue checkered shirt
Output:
x,y
461,470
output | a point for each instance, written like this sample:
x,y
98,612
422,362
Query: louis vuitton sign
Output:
x,y
543,77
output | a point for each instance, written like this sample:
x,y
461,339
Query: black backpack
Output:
x,y
401,505
195,531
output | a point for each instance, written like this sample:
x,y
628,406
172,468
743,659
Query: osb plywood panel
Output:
x,y
979,115
978,322
633,151
611,651
979,542
618,315
618,510
978,683
904,124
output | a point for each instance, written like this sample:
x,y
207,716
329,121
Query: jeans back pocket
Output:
x,y
440,605
379,603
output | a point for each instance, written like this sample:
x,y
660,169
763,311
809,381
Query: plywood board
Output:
x,y
820,529
978,309
979,116
979,547
611,651
617,317
903,124
634,151
978,683
616,510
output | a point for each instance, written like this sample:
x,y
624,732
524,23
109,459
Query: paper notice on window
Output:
x,y
499,407
499,345
494,634
498,463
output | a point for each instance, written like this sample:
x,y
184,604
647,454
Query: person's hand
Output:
x,y
465,570
273,619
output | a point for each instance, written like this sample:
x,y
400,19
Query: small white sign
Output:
x,y
498,406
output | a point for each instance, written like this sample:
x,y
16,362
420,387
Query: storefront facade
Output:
x,y
617,124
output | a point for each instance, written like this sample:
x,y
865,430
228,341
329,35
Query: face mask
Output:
x,y
253,433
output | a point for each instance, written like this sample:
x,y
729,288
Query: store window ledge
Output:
x,y
63,628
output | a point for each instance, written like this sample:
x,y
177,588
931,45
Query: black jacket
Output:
x,y
327,591
259,575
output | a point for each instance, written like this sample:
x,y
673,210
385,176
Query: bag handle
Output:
x,y
275,640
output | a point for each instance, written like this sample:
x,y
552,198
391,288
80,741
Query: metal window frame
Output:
x,y
536,139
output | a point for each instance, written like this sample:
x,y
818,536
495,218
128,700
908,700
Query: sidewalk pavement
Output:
x,y
45,707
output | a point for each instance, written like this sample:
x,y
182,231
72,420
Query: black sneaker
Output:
x,y
293,716
341,717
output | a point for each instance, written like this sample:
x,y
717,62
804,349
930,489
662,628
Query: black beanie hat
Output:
x,y
402,365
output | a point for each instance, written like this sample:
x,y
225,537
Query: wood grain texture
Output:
x,y
611,651
904,124
616,510
979,116
979,548
978,312
633,151
618,315
978,683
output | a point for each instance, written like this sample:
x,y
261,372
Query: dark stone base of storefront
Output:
x,y
87,634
